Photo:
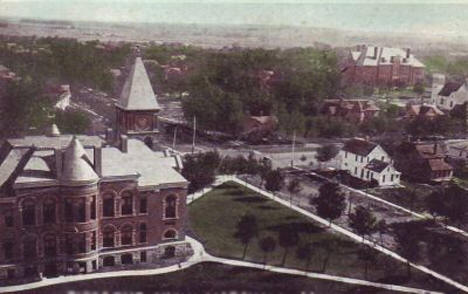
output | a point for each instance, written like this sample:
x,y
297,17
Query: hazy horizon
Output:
x,y
415,17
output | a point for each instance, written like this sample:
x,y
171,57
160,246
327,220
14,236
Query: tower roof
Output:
x,y
137,93
76,164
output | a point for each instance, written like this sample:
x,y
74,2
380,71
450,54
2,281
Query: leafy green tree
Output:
x,y
247,228
200,169
418,88
362,221
274,181
305,252
368,256
330,203
72,121
326,152
382,228
294,187
287,238
408,244
268,245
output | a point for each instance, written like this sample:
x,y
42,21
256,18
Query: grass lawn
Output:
x,y
213,220
208,278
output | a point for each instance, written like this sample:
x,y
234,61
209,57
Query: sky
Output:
x,y
434,17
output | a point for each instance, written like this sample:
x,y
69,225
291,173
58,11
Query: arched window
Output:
x,y
127,235
170,206
108,237
50,245
142,232
29,213
48,211
108,205
170,234
127,203
29,248
80,210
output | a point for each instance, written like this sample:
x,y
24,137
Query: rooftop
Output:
x,y
385,56
359,146
449,88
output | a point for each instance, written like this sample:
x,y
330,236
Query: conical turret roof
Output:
x,y
76,166
137,93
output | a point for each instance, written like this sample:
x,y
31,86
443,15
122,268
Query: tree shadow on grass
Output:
x,y
267,207
252,199
300,227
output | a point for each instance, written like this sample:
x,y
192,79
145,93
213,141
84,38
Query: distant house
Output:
x,y
374,65
6,74
428,111
423,161
355,110
260,125
368,161
452,94
438,82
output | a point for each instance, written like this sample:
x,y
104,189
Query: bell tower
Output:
x,y
137,107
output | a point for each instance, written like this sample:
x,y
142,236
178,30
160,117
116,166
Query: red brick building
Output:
x,y
377,66
75,204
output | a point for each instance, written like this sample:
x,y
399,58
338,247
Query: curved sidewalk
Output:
x,y
201,256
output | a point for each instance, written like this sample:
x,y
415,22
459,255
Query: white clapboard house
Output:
x,y
367,160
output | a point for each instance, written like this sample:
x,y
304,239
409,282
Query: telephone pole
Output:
x,y
293,147
194,133
174,139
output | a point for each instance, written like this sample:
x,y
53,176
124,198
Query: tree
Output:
x,y
362,221
305,252
264,169
287,238
294,187
274,180
382,228
267,244
326,152
246,229
435,203
200,169
450,202
72,121
418,88
408,244
368,255
330,203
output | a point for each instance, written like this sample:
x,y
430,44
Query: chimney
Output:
x,y
376,49
98,160
408,52
124,143
58,163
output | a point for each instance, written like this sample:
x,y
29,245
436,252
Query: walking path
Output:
x,y
201,256
344,231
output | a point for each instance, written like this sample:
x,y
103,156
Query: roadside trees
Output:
x,y
200,169
274,181
362,221
287,238
305,252
268,245
408,245
326,152
330,204
247,228
294,187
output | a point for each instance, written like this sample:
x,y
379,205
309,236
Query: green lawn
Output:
x,y
213,220
208,278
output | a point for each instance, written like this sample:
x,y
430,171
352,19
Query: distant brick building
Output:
x,y
378,66
76,204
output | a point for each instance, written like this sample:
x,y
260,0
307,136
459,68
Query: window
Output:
x,y
451,103
108,237
442,101
143,256
142,232
50,245
8,250
356,158
346,154
391,178
93,240
355,170
127,205
8,219
108,261
108,206
126,259
93,208
383,178
170,206
68,210
29,248
170,234
29,213
362,158
383,158
82,243
48,211
143,205
127,237
68,244
81,211
367,174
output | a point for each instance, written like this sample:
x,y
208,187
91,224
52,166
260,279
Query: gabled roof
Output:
x,y
359,146
377,165
449,88
76,165
137,93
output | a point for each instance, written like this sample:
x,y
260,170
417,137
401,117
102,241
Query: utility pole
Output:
x,y
194,133
174,139
293,148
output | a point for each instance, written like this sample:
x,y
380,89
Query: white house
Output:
x,y
453,93
367,161
438,82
